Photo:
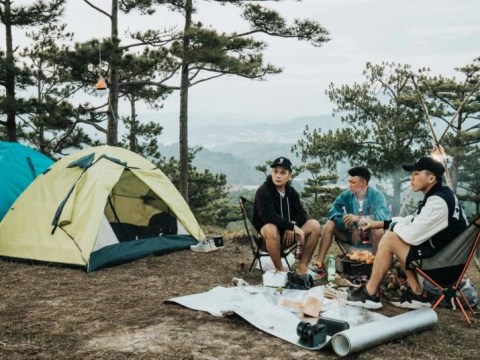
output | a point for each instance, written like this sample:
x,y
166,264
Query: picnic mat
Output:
x,y
259,306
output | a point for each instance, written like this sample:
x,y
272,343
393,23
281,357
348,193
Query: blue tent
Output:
x,y
19,166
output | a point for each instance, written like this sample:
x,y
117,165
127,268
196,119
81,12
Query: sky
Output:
x,y
439,34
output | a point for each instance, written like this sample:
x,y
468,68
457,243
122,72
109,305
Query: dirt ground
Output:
x,y
53,312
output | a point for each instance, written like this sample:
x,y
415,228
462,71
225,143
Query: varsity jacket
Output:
x,y
374,206
438,219
271,208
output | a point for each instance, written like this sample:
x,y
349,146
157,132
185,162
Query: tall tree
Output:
x,y
38,13
50,122
454,104
469,186
139,70
205,54
113,62
379,129
319,191
133,69
208,191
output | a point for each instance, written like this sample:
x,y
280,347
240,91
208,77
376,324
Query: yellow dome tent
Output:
x,y
94,208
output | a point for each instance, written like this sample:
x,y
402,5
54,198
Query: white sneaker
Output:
x,y
204,246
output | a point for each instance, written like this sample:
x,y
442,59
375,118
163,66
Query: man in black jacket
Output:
x,y
281,219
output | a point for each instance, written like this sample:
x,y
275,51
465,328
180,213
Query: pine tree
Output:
x,y
379,129
204,54
13,77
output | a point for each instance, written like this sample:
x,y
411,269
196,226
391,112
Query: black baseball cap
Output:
x,y
283,162
427,163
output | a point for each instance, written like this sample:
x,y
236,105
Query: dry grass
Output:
x,y
52,312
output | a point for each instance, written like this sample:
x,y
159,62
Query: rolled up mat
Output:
x,y
381,331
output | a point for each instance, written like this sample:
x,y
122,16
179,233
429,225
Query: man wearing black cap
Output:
x,y
438,220
280,217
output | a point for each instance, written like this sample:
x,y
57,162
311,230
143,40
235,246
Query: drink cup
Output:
x,y
341,298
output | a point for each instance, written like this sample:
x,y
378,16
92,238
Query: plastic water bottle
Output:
x,y
331,268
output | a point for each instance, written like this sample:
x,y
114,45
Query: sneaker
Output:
x,y
410,300
360,297
204,246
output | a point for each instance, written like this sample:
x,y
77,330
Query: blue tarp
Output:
x,y
19,166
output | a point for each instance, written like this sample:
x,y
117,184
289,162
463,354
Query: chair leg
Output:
x,y
251,265
465,315
466,302
439,300
459,303
288,264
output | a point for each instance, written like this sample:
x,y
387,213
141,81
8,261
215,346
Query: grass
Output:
x,y
55,312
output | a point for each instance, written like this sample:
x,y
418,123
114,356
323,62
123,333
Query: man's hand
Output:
x,y
371,224
290,236
350,219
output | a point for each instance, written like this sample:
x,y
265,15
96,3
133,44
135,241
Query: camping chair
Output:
x,y
449,265
256,241
477,258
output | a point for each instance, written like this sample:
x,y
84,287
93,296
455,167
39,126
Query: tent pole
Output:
x,y
432,133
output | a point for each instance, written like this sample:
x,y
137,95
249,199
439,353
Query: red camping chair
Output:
x,y
256,241
445,270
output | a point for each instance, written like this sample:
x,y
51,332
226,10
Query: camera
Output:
x,y
311,335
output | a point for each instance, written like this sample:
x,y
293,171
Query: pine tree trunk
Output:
x,y
133,126
10,77
184,84
112,127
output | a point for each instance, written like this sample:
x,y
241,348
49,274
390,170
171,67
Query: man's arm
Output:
x,y
432,218
336,212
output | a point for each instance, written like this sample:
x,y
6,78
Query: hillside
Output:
x,y
235,149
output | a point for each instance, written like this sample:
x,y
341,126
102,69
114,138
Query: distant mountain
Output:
x,y
221,135
235,149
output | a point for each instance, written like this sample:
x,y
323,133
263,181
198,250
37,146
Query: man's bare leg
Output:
x,y
390,245
329,231
271,235
412,278
312,234
375,237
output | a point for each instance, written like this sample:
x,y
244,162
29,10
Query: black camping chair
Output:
x,y
445,270
256,241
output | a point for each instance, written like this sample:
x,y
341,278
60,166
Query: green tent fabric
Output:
x,y
132,250
20,165
75,211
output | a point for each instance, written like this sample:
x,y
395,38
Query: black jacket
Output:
x,y
271,208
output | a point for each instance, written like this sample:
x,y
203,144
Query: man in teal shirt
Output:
x,y
346,211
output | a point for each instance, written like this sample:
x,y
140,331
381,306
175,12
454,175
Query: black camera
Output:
x,y
311,335
333,325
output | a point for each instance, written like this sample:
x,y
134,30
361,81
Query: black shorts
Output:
x,y
423,251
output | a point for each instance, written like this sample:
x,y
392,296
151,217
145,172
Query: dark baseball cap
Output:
x,y
283,162
427,163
